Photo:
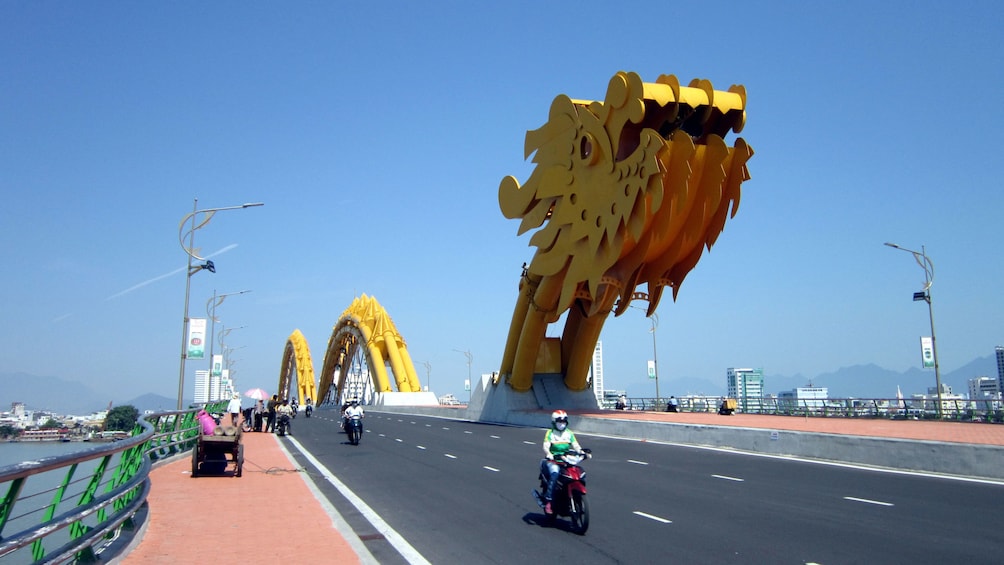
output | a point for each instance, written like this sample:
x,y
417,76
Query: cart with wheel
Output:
x,y
211,452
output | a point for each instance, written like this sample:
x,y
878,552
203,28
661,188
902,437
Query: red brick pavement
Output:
x,y
958,432
268,515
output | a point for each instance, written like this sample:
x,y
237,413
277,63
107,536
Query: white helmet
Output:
x,y
559,416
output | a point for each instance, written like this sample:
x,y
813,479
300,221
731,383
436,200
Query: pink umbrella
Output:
x,y
256,393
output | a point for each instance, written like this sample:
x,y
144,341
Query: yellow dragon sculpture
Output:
x,y
630,191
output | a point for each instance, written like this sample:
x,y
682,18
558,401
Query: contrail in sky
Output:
x,y
165,275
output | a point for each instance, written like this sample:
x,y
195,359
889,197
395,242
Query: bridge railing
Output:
x,y
69,508
982,410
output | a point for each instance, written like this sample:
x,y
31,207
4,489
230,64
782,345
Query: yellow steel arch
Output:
x,y
630,190
366,325
296,362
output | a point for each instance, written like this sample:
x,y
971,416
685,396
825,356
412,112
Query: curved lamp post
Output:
x,y
470,359
211,305
925,263
655,360
192,253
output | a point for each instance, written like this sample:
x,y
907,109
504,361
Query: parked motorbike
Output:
x,y
569,497
282,425
354,429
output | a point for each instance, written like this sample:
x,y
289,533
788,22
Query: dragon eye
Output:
x,y
586,152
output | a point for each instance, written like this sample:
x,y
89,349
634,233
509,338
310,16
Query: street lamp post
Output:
x,y
470,359
655,359
925,263
428,375
192,253
211,305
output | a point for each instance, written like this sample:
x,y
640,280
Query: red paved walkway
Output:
x,y
268,515
958,432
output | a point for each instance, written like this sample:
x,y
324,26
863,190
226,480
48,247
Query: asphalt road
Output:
x,y
459,492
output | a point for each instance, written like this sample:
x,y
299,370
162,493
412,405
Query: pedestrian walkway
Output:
x,y
929,430
268,515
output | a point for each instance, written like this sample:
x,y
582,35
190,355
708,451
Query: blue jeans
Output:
x,y
549,469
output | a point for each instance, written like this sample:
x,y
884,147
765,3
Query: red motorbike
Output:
x,y
569,497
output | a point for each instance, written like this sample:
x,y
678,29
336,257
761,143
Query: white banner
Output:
x,y
217,365
196,338
927,352
651,369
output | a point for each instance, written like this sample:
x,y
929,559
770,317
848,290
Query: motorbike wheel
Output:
x,y
579,510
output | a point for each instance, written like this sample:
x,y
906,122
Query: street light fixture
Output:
x,y
192,253
655,360
211,305
925,263
470,359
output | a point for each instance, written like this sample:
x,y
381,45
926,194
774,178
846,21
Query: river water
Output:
x,y
18,451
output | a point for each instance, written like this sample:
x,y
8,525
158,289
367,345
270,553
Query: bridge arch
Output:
x,y
363,343
296,374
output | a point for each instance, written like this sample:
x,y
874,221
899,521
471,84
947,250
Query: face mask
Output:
x,y
560,426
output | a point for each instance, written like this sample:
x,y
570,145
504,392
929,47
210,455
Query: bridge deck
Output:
x,y
271,508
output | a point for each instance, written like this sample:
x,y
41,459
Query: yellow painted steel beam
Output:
x,y
626,191
296,361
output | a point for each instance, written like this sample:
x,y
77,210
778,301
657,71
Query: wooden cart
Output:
x,y
209,456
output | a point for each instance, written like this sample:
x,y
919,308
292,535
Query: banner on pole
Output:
x,y
651,369
196,338
927,352
217,365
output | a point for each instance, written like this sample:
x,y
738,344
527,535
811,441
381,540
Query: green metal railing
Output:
x,y
68,509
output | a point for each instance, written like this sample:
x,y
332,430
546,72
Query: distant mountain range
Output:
x,y
856,381
70,397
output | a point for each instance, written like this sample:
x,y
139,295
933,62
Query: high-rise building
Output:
x,y
983,388
202,387
746,386
597,371
1000,367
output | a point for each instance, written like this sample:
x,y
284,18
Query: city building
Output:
x,y
802,398
597,372
747,387
984,388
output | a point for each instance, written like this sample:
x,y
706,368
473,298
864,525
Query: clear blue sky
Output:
x,y
377,133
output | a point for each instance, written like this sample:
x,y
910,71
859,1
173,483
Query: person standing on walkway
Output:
x,y
273,403
234,407
259,415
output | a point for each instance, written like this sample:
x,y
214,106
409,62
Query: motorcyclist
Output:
x,y
283,412
294,406
354,409
308,408
557,441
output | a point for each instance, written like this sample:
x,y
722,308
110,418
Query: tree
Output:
x,y
51,423
6,431
121,418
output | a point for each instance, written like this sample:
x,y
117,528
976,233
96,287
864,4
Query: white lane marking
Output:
x,y
450,456
381,435
420,446
866,501
637,462
399,440
395,539
529,442
468,432
728,478
651,517
491,468
446,428
428,425
494,437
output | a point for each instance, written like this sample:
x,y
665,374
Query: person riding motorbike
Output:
x,y
283,413
354,409
557,441
308,408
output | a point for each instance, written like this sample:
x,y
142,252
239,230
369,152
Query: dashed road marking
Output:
x,y
450,456
867,501
651,517
493,469
637,462
728,478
